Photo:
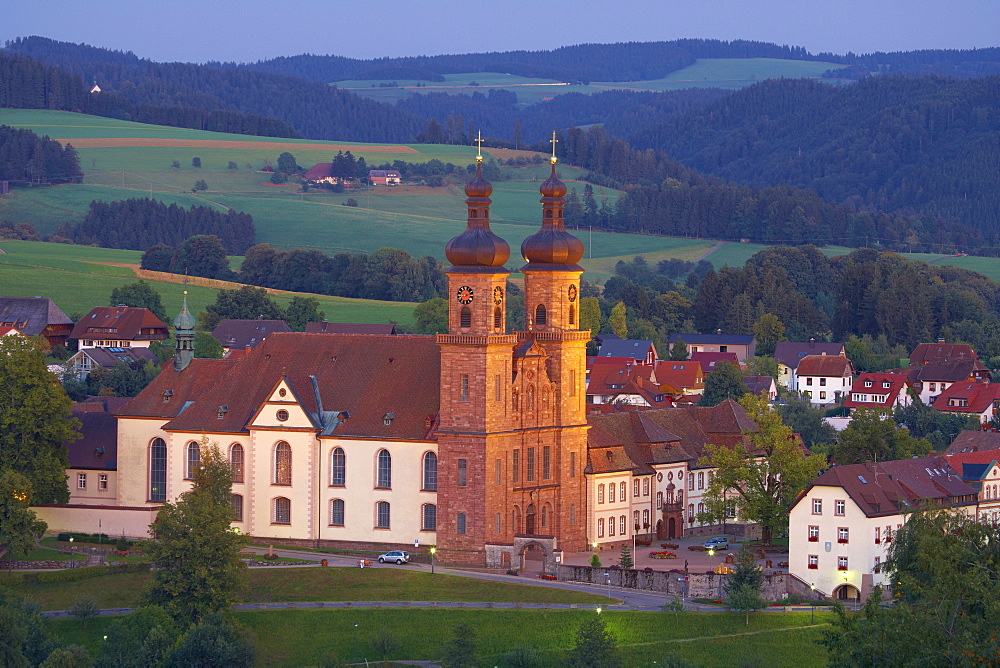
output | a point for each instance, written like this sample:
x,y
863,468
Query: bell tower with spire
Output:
x,y
475,378
184,335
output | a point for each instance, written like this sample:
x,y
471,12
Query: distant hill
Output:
x,y
316,110
916,145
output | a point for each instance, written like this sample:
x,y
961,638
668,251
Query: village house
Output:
x,y
788,354
743,345
119,327
618,382
82,363
969,440
762,385
880,391
935,376
932,352
36,316
975,399
321,172
709,360
235,334
679,379
384,177
825,379
641,351
981,470
842,524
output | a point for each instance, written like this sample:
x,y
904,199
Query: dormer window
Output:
x,y
167,394
222,412
388,418
885,385
868,383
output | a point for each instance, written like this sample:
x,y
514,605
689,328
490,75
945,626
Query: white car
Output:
x,y
716,544
395,556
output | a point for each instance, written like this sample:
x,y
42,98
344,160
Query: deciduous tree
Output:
x,y
35,420
617,320
874,435
19,526
301,311
726,382
764,475
595,646
141,295
431,316
195,553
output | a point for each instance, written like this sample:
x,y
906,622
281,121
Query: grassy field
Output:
x,y
729,73
75,278
275,585
337,637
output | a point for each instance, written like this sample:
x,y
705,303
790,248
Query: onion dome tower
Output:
x,y
184,335
552,275
477,278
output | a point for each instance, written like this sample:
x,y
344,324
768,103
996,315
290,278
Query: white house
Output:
x,y
824,378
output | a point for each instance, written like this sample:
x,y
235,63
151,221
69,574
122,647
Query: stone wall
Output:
x,y
33,565
698,585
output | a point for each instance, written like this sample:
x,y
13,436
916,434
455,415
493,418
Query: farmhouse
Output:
x,y
384,177
743,345
321,172
34,317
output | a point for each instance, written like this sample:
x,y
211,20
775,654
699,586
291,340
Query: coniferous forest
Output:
x,y
24,156
136,224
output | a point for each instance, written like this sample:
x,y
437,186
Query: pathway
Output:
x,y
710,251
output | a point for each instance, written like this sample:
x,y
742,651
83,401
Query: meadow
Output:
x,y
728,73
77,278
341,636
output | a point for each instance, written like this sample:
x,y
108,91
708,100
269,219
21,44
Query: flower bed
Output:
x,y
669,546
543,576
663,554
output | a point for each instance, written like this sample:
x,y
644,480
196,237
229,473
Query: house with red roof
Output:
x,y
975,399
119,327
825,379
350,328
933,352
933,377
788,354
679,378
881,391
621,384
981,470
321,172
842,524
969,440
709,360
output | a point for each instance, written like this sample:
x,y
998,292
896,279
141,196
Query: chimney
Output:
x,y
812,343
940,340
718,332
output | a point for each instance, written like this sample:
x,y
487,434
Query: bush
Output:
x,y
83,608
122,544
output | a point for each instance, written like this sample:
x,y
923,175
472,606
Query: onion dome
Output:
x,y
184,321
552,244
477,246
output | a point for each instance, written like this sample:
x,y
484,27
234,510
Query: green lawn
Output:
x,y
336,637
73,278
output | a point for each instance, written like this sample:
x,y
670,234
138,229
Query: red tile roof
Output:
x,y
974,441
949,370
897,382
709,360
319,171
678,375
966,397
790,353
928,352
360,375
825,365
350,328
890,488
173,391
120,322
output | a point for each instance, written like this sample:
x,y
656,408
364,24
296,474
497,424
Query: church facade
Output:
x,y
476,440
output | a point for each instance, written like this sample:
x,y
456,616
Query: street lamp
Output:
x,y
433,551
812,588
598,610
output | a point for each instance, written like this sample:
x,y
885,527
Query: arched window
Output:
x,y
572,314
382,515
336,512
465,317
338,468
497,318
545,516
622,491
193,460
282,511
430,472
158,470
236,461
429,517
540,316
282,463
460,524
515,520
237,507
600,493
384,478
529,519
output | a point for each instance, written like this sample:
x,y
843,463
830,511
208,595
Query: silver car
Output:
x,y
394,556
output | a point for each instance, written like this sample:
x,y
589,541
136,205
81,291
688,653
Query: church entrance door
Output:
x,y
671,528
529,520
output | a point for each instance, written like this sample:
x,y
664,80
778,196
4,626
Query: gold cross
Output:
x,y
479,141
553,141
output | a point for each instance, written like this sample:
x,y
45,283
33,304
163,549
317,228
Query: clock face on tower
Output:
x,y
572,293
464,295
498,295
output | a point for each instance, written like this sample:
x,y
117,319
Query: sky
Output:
x,y
249,30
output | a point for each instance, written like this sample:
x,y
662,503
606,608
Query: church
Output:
x,y
474,441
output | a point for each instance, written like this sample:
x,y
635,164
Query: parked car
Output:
x,y
716,544
395,556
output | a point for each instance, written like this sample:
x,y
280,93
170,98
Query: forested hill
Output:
x,y
623,61
316,110
926,145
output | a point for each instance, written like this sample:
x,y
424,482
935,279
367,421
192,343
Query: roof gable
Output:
x,y
790,353
31,316
120,322
825,365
